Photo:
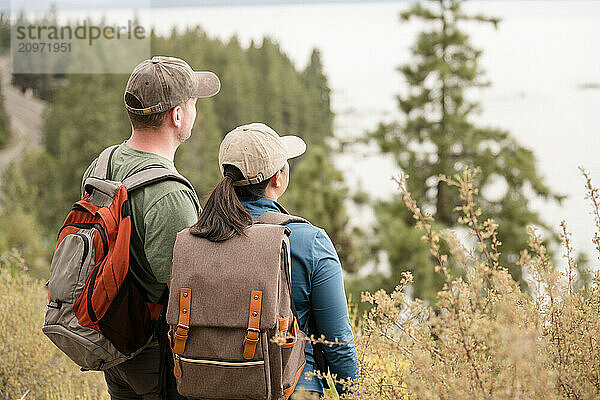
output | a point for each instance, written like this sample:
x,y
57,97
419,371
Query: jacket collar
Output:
x,y
258,205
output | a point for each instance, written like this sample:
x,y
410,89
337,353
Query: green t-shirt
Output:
x,y
159,212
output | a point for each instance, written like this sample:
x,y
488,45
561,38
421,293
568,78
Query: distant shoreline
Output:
x,y
115,4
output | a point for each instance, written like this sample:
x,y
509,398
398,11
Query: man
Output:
x,y
160,99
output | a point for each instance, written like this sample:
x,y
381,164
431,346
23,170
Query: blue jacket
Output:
x,y
317,272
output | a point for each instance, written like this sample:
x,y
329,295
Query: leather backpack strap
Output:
x,y
102,168
277,218
253,331
180,335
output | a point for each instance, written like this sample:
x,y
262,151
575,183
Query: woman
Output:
x,y
253,160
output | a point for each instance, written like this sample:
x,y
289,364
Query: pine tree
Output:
x,y
237,99
437,136
318,193
320,118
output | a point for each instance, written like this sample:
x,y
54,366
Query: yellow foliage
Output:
x,y
485,338
31,367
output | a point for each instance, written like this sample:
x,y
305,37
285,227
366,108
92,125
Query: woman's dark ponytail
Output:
x,y
223,216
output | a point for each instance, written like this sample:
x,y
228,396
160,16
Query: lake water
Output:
x,y
543,62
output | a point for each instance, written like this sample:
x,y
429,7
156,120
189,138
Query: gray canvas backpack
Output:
x,y
228,300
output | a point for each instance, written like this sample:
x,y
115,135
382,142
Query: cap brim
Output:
x,y
207,84
294,146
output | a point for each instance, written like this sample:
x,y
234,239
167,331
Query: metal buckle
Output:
x,y
257,331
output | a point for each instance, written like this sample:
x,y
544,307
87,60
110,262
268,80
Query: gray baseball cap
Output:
x,y
161,83
258,151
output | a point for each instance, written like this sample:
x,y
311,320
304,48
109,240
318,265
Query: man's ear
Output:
x,y
177,116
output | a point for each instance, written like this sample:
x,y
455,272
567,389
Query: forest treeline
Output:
x,y
86,114
260,83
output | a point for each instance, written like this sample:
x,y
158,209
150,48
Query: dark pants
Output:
x,y
137,378
140,377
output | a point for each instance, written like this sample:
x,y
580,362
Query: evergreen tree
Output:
x,y
237,98
318,192
318,108
437,136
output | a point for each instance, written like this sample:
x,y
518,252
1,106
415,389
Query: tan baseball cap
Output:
x,y
161,83
258,151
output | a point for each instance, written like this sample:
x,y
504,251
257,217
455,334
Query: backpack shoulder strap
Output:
x,y
152,175
102,169
277,218
141,178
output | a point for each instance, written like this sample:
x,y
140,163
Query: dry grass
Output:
x,y
485,339
31,367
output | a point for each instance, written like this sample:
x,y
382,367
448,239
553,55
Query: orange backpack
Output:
x,y
97,312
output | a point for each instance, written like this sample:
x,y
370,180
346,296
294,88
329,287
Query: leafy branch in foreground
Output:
x,y
485,338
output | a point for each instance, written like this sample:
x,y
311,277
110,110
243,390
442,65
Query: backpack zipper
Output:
x,y
87,225
90,291
86,246
86,249
100,230
219,362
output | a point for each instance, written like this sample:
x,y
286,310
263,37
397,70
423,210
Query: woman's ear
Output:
x,y
275,180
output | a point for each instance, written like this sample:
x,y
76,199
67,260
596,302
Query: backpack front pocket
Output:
x,y
72,262
289,361
292,363
221,379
